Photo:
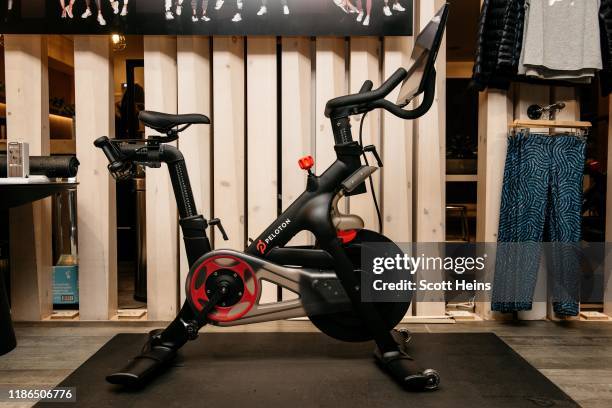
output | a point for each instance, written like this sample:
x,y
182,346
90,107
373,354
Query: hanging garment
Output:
x,y
605,28
500,34
561,40
541,202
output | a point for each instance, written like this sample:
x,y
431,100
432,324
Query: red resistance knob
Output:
x,y
347,236
306,162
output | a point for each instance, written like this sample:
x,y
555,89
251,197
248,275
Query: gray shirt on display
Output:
x,y
561,39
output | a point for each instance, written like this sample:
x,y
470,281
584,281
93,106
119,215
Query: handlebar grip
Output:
x,y
112,154
428,99
367,86
369,96
106,146
394,80
101,141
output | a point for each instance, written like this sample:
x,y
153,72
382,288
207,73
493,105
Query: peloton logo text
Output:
x,y
262,245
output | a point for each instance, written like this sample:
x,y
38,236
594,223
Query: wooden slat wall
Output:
x,y
365,64
266,98
27,119
297,129
331,81
495,112
397,152
229,139
194,95
430,169
262,146
234,164
296,110
96,199
162,226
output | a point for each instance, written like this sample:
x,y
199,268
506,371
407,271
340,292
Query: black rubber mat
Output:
x,y
311,370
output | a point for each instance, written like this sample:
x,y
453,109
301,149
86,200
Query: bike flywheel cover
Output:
x,y
348,325
198,292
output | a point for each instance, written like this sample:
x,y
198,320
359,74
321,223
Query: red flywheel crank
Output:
x,y
239,278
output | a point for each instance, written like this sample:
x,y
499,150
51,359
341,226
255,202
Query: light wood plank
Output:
x,y
297,130
397,152
229,143
330,83
364,65
27,116
96,203
494,114
262,149
194,96
430,154
162,226
296,113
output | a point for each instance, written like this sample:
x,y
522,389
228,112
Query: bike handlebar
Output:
x,y
429,93
365,95
368,99
366,87
114,156
122,155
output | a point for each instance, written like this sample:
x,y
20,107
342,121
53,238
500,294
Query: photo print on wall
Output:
x,y
208,17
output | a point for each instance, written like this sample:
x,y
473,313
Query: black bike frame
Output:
x,y
315,211
311,211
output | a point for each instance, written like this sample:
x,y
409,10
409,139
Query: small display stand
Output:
x,y
13,193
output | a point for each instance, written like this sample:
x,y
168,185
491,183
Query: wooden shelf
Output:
x,y
458,178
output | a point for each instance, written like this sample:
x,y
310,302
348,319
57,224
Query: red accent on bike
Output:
x,y
306,162
249,295
261,247
347,236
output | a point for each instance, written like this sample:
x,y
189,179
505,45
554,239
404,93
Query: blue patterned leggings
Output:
x,y
541,202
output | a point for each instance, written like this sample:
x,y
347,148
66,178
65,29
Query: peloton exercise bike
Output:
x,y
223,287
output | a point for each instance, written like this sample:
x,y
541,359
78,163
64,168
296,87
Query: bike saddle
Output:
x,y
165,122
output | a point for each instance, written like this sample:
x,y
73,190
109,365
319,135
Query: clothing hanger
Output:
x,y
534,122
550,124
